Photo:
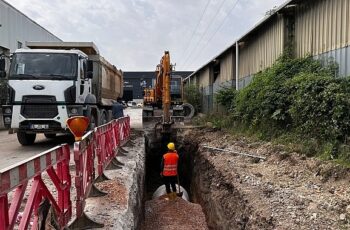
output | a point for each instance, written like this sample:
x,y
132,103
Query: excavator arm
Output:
x,y
166,73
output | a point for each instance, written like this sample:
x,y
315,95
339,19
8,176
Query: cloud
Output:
x,y
132,34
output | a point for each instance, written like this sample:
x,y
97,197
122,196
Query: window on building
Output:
x,y
19,45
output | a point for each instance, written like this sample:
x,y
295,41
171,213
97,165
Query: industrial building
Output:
x,y
16,28
135,82
311,27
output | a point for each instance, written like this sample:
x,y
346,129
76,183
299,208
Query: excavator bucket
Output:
x,y
149,119
152,116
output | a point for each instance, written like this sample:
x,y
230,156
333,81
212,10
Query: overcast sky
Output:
x,y
133,34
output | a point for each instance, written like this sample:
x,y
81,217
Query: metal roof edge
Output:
x,y
258,24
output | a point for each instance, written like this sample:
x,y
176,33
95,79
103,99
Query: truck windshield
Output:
x,y
49,66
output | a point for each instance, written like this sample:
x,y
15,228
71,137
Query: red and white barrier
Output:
x,y
16,178
109,138
102,142
124,127
106,144
84,154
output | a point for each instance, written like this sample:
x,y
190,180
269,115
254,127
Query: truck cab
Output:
x,y
46,86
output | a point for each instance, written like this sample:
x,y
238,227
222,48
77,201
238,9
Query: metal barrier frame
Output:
x,y
103,142
17,177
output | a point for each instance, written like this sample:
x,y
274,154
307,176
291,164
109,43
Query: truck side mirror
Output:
x,y
90,69
2,68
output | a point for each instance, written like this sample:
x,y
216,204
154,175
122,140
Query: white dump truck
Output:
x,y
52,81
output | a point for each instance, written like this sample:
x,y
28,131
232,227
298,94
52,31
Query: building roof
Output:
x,y
265,20
14,8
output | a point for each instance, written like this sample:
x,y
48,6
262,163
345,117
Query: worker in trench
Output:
x,y
169,166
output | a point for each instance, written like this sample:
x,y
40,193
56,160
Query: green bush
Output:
x,y
301,99
226,97
266,101
192,95
321,106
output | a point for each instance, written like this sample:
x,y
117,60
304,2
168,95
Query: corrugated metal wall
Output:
x,y
262,50
16,27
322,26
322,29
226,68
207,99
203,78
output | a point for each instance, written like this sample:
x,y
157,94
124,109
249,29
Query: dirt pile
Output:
x,y
286,191
179,214
116,191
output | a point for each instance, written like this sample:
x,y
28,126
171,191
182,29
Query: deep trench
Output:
x,y
153,163
222,202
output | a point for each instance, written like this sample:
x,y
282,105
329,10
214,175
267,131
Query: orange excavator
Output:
x,y
166,94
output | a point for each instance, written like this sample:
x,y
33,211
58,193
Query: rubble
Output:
x,y
287,191
164,214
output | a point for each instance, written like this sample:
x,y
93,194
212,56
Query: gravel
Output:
x,y
178,214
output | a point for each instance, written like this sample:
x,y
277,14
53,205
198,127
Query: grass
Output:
x,y
338,153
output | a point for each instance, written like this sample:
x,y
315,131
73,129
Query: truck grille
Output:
x,y
39,107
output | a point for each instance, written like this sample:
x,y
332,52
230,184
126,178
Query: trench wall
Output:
x,y
221,199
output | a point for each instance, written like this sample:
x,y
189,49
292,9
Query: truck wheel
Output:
x,y
103,118
92,119
188,110
26,138
50,135
92,123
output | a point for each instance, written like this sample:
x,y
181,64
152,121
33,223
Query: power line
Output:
x,y
218,29
195,30
206,30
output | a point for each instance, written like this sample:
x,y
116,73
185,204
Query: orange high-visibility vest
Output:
x,y
170,164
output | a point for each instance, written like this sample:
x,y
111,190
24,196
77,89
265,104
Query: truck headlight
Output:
x,y
8,111
73,110
7,120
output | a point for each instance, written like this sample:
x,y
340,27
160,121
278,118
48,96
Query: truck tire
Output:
x,y
103,117
92,118
92,123
50,135
26,138
188,110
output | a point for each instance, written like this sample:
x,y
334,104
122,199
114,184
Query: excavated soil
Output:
x,y
116,192
161,213
285,191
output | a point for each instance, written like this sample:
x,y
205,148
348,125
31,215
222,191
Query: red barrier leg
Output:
x,y
29,207
16,203
4,215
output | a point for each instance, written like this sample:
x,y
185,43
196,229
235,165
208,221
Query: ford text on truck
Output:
x,y
53,81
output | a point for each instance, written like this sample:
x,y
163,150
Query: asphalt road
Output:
x,y
11,152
